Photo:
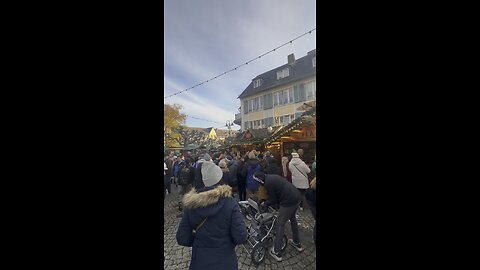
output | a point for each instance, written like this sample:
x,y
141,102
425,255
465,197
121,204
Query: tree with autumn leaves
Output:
x,y
176,134
173,119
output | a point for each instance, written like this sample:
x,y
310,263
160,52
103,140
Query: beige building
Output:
x,y
277,97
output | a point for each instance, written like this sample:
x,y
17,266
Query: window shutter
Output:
x,y
245,107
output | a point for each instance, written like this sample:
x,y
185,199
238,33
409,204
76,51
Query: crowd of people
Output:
x,y
210,184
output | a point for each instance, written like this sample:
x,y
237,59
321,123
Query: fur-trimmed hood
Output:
x,y
206,198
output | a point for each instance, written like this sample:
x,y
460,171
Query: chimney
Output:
x,y
291,58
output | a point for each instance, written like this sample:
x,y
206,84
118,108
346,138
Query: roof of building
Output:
x,y
299,69
202,130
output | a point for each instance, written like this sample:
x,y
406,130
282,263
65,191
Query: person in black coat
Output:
x,y
273,168
216,218
242,186
286,195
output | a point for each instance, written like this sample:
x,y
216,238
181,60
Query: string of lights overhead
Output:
x,y
203,119
244,64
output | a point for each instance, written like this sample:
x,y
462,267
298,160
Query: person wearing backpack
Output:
x,y
185,179
251,166
232,173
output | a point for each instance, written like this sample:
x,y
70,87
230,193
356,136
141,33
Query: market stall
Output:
x,y
301,133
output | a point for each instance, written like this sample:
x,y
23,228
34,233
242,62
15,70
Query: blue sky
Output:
x,y
205,38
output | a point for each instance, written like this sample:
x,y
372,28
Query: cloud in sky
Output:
x,y
205,38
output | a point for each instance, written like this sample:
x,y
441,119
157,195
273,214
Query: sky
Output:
x,y
203,39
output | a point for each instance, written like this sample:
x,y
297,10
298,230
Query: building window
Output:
x,y
260,100
314,61
257,83
287,120
250,105
310,91
276,99
283,73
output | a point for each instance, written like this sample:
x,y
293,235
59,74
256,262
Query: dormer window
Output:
x,y
257,83
314,61
283,73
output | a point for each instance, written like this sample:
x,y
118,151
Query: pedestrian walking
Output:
x,y
283,194
169,161
166,181
269,158
273,168
262,161
212,223
289,173
185,180
284,165
242,188
300,173
251,166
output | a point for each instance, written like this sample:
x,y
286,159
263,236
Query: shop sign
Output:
x,y
305,134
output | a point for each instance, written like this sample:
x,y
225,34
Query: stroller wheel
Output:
x,y
258,253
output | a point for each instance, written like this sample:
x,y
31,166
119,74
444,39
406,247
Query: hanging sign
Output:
x,y
310,133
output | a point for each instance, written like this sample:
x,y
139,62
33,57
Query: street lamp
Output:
x,y
229,124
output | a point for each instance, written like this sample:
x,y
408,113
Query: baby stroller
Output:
x,y
260,230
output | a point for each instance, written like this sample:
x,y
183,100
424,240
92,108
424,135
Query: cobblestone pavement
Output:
x,y
178,257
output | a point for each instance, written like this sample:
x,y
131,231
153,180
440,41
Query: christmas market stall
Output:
x,y
250,139
300,133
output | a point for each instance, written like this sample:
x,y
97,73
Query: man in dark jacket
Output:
x,y
286,195
216,218
242,189
186,176
273,168
169,162
269,158
233,171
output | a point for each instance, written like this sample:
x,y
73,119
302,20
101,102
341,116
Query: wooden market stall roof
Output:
x,y
262,136
293,125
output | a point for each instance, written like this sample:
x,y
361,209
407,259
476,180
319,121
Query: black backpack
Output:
x,y
184,176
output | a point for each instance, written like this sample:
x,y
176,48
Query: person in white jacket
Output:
x,y
300,172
